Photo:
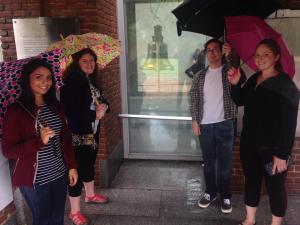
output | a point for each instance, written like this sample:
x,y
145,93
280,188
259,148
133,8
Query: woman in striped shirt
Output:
x,y
36,138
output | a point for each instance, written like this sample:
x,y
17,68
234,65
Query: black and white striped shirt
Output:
x,y
50,162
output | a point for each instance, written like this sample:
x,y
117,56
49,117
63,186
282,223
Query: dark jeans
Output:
x,y
47,202
85,156
216,141
253,160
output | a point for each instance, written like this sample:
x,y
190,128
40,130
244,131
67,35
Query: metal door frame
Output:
x,y
125,116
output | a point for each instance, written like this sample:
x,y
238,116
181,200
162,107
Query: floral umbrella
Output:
x,y
105,47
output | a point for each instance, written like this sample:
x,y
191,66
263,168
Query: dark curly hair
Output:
x,y
27,97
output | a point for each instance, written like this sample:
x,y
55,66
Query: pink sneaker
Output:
x,y
96,199
78,219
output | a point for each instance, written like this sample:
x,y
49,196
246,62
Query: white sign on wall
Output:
x,y
34,35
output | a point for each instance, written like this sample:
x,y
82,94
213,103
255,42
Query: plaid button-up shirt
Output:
x,y
197,96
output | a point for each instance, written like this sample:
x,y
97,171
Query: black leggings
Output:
x,y
85,156
253,159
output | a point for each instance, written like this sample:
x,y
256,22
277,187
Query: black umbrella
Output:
x,y
207,16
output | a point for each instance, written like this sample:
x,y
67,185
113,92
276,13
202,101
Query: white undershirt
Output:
x,y
213,107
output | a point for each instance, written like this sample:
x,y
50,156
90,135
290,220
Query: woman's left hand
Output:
x,y
100,111
73,177
102,107
279,165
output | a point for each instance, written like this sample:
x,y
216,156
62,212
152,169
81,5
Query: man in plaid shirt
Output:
x,y
213,113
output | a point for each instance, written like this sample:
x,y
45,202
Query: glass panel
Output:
x,y
157,84
162,137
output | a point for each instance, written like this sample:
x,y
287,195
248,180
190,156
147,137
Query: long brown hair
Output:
x,y
74,66
27,97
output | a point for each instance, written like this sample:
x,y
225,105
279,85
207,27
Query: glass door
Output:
x,y
155,88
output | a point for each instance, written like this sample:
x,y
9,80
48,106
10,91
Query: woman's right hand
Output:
x,y
234,75
196,128
99,114
46,133
100,111
279,165
73,177
101,107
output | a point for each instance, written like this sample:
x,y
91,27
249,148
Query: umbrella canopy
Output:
x,y
207,16
105,47
245,32
10,73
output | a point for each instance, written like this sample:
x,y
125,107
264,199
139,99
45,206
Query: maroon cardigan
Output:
x,y
21,143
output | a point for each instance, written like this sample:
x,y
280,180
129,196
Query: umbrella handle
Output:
x,y
96,100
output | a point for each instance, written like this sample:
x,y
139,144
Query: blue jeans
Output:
x,y
216,141
47,202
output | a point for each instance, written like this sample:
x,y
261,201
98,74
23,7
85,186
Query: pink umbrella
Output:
x,y
10,73
245,32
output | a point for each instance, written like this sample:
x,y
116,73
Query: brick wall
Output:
x,y
237,172
293,179
94,16
292,4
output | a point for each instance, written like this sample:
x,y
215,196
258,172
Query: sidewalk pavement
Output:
x,y
165,193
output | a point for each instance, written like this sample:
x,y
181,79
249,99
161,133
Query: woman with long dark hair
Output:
x,y
84,106
36,138
270,100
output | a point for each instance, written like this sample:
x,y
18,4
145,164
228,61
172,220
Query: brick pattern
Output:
x,y
237,172
13,9
293,179
291,4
